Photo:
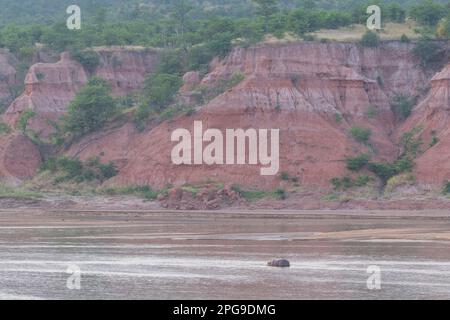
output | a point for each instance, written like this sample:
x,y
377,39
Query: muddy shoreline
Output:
x,y
354,207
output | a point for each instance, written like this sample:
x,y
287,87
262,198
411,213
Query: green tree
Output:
x,y
92,107
427,51
428,13
370,39
160,89
180,13
360,134
300,22
24,119
266,8
88,59
395,13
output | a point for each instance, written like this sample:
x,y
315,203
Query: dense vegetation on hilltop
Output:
x,y
186,23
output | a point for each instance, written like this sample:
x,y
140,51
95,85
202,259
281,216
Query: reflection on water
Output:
x,y
220,256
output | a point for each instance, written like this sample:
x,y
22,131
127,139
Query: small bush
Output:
x,y
90,60
284,176
280,194
402,105
24,118
400,180
160,90
434,140
362,180
336,182
347,182
4,128
428,52
384,171
338,117
358,162
362,135
141,116
68,169
404,38
92,107
446,188
410,143
370,39
372,112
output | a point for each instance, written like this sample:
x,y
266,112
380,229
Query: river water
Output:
x,y
221,256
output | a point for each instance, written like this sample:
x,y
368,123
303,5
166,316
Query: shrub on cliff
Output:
x,y
370,39
92,107
24,118
73,169
160,90
446,187
4,128
427,51
358,162
360,134
402,105
88,59
141,116
170,62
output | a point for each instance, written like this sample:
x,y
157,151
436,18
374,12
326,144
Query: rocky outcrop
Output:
x,y
19,158
313,92
432,118
126,68
49,87
299,88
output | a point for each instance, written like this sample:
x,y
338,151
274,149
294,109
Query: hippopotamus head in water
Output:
x,y
280,263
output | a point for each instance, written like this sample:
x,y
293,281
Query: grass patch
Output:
x,y
145,192
67,169
255,194
19,193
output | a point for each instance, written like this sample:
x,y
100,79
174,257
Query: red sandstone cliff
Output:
x,y
298,88
432,117
49,87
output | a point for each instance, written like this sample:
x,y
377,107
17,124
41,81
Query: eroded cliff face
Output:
x,y
313,92
298,88
431,118
49,87
20,158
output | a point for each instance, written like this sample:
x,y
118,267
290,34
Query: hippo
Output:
x,y
279,263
